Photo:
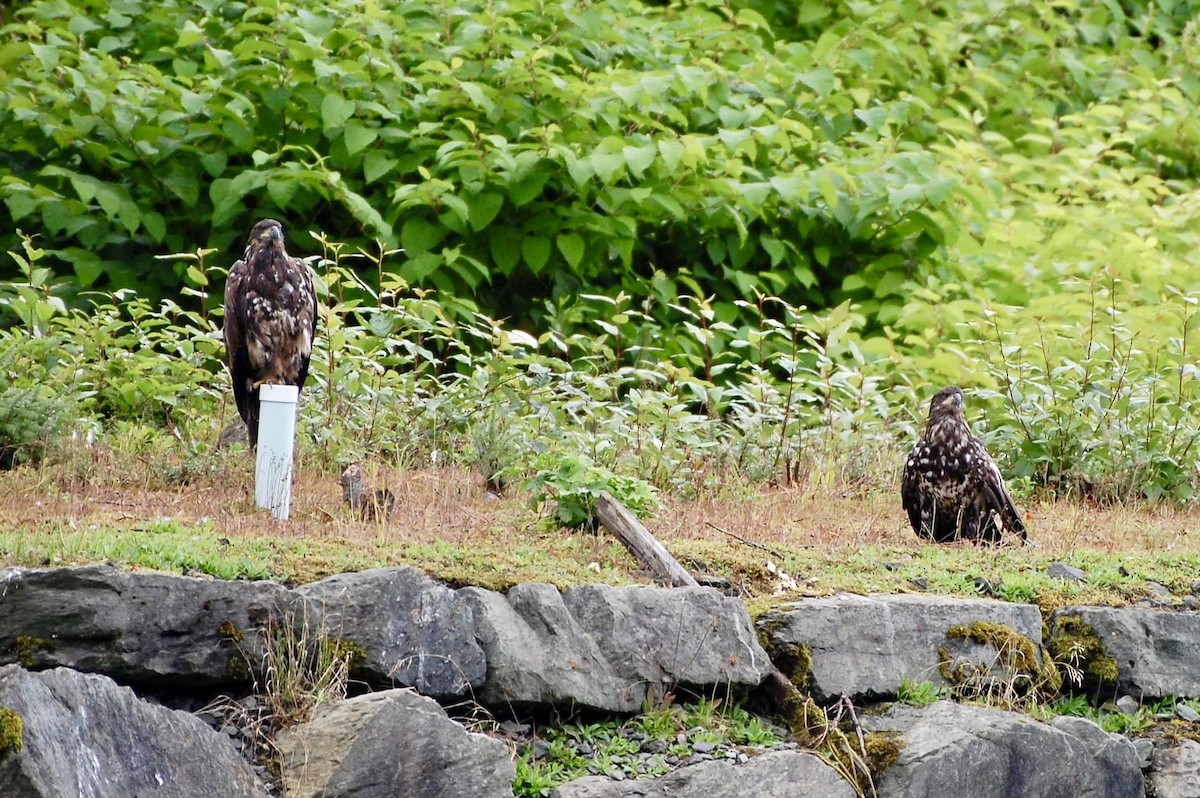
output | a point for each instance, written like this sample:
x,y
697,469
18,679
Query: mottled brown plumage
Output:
x,y
369,505
951,488
270,320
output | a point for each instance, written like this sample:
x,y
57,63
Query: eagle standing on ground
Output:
x,y
270,320
951,487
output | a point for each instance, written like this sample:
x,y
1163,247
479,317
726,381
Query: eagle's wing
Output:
x,y
997,495
910,494
307,305
235,344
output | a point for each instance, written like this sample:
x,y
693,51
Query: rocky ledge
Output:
x,y
93,658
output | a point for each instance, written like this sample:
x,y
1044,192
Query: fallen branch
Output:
x,y
748,542
651,554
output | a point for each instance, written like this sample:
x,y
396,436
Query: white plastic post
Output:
x,y
276,439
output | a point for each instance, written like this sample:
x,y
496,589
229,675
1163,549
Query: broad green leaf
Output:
x,y
356,137
572,247
821,80
376,164
335,111
483,208
535,250
639,159
672,154
505,246
419,235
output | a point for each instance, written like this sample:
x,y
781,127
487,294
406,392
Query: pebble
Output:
x,y
1128,705
1159,591
1184,712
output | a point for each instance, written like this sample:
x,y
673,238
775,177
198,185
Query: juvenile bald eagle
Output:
x,y
270,320
951,489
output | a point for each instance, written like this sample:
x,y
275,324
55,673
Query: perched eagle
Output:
x,y
951,488
270,320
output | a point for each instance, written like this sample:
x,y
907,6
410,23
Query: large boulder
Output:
x,y
608,647
140,628
779,774
412,631
1175,772
81,734
865,646
1151,653
951,750
391,743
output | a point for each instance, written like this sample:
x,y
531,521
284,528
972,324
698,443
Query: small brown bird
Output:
x,y
951,488
270,320
369,505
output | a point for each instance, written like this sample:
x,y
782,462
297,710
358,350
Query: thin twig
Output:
x,y
738,537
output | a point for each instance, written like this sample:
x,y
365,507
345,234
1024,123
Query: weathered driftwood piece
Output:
x,y
651,554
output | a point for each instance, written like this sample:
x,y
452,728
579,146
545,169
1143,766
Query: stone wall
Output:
x,y
79,646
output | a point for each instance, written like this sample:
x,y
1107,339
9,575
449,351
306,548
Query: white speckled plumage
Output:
x,y
951,488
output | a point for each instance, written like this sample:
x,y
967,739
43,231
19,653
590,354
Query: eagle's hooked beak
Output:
x,y
272,234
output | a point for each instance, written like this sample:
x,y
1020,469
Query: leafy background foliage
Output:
x,y
669,239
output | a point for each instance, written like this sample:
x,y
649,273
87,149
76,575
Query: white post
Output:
x,y
276,439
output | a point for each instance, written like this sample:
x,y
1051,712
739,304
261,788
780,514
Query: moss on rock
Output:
x,y
1075,643
12,732
1024,673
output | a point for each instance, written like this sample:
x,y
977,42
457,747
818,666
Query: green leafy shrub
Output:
x,y
573,484
30,420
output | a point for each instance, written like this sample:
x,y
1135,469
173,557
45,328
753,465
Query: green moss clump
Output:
x,y
1026,674
230,631
27,648
1076,643
794,659
336,649
882,750
12,732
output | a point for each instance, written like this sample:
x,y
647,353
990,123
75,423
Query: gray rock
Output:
x,y
606,647
1176,771
1145,751
1184,712
140,628
867,645
1070,573
779,774
1128,705
414,632
1159,592
84,735
391,743
1155,651
953,750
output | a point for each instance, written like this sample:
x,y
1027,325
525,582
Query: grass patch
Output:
x,y
448,524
